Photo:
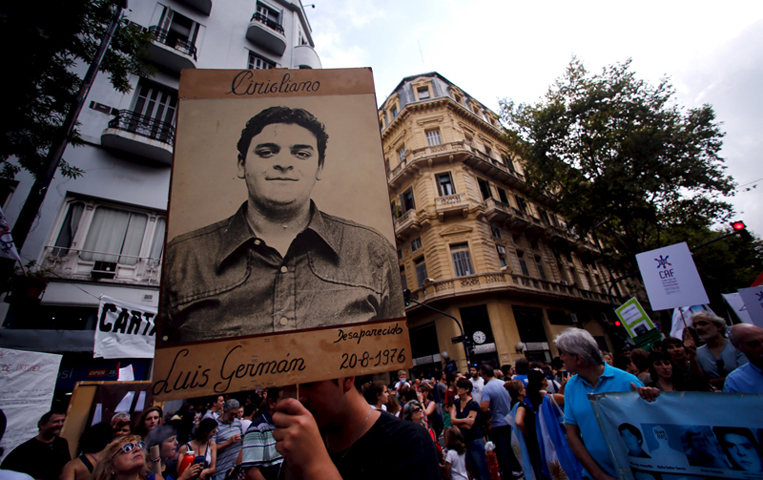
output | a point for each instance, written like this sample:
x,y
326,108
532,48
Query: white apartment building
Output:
x,y
103,233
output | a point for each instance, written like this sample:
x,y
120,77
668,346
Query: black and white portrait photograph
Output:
x,y
279,217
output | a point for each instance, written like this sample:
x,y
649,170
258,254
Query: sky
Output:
x,y
711,52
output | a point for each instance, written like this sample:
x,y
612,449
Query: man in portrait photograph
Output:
x,y
279,263
740,448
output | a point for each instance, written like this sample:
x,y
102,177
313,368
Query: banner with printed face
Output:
x,y
124,330
671,278
279,234
683,435
27,382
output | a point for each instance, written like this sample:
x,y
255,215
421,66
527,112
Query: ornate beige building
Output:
x,y
471,240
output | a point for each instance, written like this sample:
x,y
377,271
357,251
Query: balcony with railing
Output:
x,y
424,154
77,264
407,223
452,204
506,282
140,135
496,211
304,56
171,52
494,168
266,33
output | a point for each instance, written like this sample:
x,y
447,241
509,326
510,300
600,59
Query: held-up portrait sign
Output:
x,y
280,265
124,330
634,318
671,278
683,435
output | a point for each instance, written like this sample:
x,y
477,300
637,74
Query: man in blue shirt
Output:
x,y
748,378
581,356
496,401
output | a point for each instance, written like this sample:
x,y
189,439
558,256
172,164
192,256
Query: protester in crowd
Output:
x,y
250,410
633,440
686,372
640,359
47,444
625,364
259,457
203,447
121,424
92,441
455,460
465,414
581,356
748,378
496,402
439,390
402,380
9,474
507,370
148,420
552,385
166,463
717,357
608,358
183,422
560,372
123,459
216,409
521,366
516,391
227,438
430,408
477,383
376,394
393,406
661,371
357,441
450,393
526,415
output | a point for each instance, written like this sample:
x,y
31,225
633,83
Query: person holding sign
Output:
x,y
332,433
580,354
279,263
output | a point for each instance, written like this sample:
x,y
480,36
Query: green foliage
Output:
x,y
44,43
612,147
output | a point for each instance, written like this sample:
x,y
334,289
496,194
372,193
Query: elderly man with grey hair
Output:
x,y
227,438
748,378
581,356
717,357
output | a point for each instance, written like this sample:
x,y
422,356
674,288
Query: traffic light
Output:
x,y
407,297
741,229
617,323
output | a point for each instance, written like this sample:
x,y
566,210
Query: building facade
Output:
x,y
103,233
473,242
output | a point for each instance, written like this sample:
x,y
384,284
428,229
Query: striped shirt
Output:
x,y
260,446
226,458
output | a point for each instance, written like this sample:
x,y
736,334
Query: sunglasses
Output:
x,y
129,447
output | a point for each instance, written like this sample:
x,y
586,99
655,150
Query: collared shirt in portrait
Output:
x,y
223,281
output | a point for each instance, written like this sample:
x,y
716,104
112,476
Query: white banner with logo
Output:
x,y
124,330
27,382
671,278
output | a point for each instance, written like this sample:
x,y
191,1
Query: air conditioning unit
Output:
x,y
104,270
501,249
574,318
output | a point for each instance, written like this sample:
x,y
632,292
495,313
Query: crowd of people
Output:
x,y
451,426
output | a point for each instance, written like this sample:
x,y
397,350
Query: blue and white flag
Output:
x,y
559,463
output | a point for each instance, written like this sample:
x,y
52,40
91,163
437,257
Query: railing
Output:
x,y
450,200
143,125
258,17
502,280
163,36
68,263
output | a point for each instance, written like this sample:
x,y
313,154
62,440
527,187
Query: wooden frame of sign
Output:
x,y
280,266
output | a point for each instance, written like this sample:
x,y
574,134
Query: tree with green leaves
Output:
x,y
44,44
614,154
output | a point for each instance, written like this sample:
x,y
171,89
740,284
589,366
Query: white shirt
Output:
x,y
477,386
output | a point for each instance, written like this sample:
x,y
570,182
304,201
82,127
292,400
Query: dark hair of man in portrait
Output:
x,y
286,115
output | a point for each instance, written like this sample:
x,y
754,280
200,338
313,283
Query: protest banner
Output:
x,y
634,318
671,278
690,435
682,318
124,330
280,237
753,300
27,382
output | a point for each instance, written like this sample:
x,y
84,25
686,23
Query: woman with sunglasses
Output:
x,y
661,370
163,445
413,411
123,459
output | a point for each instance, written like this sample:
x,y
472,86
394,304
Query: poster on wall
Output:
x,y
27,382
280,265
671,278
124,330
683,435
